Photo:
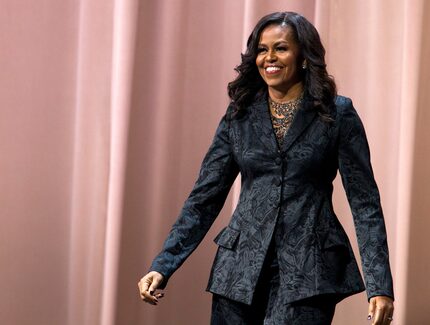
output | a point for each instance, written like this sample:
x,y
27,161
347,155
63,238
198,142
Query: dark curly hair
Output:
x,y
319,87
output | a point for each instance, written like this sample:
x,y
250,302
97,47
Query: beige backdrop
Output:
x,y
107,108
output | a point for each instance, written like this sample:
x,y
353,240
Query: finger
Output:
x,y
159,295
143,284
371,312
386,311
144,293
154,285
151,302
389,315
147,297
378,318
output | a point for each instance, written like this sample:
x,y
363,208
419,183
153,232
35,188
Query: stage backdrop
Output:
x,y
106,110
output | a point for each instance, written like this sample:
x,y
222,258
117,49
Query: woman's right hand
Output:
x,y
148,285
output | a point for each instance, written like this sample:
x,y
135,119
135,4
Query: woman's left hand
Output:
x,y
381,310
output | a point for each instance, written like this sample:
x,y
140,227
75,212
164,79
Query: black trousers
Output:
x,y
267,306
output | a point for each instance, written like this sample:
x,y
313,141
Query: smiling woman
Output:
x,y
284,257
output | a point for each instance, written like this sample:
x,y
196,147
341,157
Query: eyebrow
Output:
x,y
275,44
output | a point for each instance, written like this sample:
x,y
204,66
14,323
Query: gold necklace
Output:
x,y
284,110
282,115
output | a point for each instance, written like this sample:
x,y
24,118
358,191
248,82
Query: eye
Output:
x,y
281,48
261,50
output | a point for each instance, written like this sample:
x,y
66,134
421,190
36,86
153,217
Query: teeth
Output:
x,y
272,69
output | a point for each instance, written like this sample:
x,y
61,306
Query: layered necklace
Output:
x,y
282,114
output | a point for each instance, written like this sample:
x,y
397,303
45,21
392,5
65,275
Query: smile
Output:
x,y
272,69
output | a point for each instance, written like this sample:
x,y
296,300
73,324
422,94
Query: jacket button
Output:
x,y
278,182
278,161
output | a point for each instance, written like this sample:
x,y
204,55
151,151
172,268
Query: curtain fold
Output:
x,y
124,33
91,161
414,261
409,94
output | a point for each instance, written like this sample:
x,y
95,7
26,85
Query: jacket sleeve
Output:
x,y
364,200
217,174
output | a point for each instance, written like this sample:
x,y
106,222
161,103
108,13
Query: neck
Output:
x,y
282,96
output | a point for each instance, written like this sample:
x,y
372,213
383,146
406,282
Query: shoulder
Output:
x,y
345,108
348,119
343,104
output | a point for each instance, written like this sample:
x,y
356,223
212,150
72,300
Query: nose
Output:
x,y
270,57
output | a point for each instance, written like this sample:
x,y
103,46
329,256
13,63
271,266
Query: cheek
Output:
x,y
291,67
260,67
258,62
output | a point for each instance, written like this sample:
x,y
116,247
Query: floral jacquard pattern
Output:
x,y
286,196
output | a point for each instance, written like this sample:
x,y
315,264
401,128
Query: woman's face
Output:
x,y
278,58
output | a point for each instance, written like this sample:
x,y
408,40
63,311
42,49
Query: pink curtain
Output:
x,y
107,108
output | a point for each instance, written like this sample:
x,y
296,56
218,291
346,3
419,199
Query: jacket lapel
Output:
x,y
303,118
263,125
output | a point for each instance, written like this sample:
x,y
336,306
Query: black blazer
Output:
x,y
290,187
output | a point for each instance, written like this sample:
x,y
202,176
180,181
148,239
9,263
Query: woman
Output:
x,y
284,258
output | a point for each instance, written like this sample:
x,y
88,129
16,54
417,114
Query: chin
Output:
x,y
277,86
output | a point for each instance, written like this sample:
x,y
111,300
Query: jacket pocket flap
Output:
x,y
227,237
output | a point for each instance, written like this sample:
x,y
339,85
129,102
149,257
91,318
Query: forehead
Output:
x,y
274,33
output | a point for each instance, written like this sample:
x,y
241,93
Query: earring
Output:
x,y
304,66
